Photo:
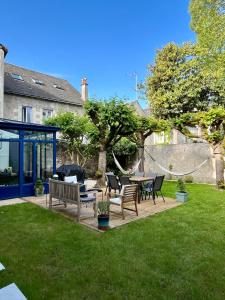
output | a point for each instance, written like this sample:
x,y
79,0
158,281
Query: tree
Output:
x,y
178,84
112,120
212,124
146,126
75,131
208,21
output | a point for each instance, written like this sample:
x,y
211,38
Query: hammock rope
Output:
x,y
177,173
132,171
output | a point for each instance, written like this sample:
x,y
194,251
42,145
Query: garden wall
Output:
x,y
183,157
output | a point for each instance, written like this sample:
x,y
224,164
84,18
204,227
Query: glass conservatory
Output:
x,y
27,152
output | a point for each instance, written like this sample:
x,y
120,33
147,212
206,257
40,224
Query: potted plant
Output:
x,y
103,215
181,194
39,188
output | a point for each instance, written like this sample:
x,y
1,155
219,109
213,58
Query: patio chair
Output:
x,y
124,180
155,187
113,183
107,180
128,195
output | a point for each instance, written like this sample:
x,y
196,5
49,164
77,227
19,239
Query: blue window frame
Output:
x,y
27,152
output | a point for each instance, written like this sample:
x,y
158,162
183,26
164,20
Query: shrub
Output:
x,y
98,174
188,179
103,208
181,186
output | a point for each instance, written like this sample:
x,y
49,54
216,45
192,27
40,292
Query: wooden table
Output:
x,y
139,180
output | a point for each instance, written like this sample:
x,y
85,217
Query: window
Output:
x,y
16,76
59,87
47,113
9,163
37,81
27,114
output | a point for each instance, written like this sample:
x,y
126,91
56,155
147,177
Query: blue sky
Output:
x,y
104,40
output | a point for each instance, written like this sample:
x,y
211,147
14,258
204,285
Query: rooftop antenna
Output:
x,y
135,76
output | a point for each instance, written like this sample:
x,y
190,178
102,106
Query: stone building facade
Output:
x,y
31,96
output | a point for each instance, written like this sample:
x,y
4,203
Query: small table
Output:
x,y
139,180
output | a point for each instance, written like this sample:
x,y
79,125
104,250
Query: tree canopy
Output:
x,y
112,120
208,21
178,84
75,132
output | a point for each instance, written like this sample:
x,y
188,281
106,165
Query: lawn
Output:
x,y
177,254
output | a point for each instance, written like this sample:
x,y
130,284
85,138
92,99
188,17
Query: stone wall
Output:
x,y
183,157
13,107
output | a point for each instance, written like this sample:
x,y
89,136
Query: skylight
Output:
x,y
37,81
59,87
16,76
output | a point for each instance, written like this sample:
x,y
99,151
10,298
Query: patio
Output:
x,y
145,208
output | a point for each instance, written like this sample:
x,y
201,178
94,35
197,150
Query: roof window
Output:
x,y
59,87
16,76
37,81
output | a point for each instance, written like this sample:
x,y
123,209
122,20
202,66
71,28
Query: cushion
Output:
x,y
116,201
70,179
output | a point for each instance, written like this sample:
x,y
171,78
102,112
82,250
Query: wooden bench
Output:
x,y
67,192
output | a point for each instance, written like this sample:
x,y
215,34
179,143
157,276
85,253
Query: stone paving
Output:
x,y
145,208
12,201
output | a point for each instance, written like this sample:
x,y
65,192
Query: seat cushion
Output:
x,y
116,201
87,198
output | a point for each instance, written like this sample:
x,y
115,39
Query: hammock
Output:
x,y
176,173
132,171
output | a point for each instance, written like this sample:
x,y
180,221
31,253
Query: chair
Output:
x,y
107,180
124,180
113,183
128,195
155,187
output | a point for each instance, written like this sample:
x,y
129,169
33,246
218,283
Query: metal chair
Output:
x,y
124,180
113,183
107,181
154,187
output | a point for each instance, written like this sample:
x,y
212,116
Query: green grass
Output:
x,y
177,254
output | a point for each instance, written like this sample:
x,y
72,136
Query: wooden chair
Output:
x,y
128,195
70,193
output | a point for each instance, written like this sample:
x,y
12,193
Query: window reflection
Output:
x,y
44,161
28,163
9,163
37,135
9,134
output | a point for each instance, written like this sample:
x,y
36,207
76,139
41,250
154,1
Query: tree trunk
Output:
x,y
142,158
219,162
102,166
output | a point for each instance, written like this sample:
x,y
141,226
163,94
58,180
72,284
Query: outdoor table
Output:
x,y
139,180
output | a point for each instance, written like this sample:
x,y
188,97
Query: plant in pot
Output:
x,y
181,194
103,215
39,188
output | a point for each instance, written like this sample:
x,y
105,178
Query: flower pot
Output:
x,y
181,197
103,222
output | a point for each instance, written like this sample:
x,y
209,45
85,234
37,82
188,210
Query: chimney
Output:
x,y
3,52
84,89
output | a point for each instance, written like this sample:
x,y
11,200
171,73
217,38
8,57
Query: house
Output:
x,y
31,96
27,147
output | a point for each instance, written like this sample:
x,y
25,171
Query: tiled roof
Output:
x,y
48,91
